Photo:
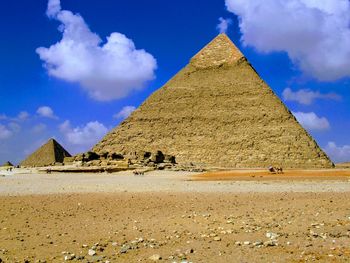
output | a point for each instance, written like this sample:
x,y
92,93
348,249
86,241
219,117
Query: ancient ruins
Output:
x,y
50,153
217,112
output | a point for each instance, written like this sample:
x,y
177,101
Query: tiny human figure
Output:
x,y
272,169
136,173
279,170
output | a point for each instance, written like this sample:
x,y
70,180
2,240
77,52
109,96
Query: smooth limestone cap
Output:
x,y
220,51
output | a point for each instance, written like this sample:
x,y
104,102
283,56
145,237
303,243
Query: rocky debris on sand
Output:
x,y
155,257
271,235
69,257
155,160
91,252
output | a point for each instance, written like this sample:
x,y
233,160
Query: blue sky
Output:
x,y
69,83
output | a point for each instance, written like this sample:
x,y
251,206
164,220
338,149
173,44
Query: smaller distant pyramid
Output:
x,y
8,164
48,154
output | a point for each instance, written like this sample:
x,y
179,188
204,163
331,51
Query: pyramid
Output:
x,y
218,112
48,154
7,164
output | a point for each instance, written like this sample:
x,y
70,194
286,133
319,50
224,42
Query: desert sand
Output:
x,y
240,216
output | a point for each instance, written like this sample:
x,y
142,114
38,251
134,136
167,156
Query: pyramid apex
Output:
x,y
220,51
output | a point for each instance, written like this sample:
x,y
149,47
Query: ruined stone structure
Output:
x,y
48,154
218,112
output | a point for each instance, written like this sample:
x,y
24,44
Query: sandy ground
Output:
x,y
166,181
179,216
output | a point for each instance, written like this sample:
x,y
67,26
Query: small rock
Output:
x,y
258,243
271,235
270,243
91,252
124,250
69,257
217,238
246,243
155,257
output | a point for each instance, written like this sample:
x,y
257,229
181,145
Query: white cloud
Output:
x,y
125,112
106,71
15,127
47,112
310,121
315,34
338,154
5,133
39,128
223,24
23,115
306,96
84,137
53,8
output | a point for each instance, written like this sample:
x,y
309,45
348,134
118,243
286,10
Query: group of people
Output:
x,y
276,169
140,173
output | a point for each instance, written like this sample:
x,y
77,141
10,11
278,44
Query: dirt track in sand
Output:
x,y
288,175
309,226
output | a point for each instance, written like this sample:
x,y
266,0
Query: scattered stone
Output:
x,y
124,250
155,257
271,235
69,257
270,243
91,252
258,243
217,238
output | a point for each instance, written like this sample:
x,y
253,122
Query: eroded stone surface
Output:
x,y
220,51
218,112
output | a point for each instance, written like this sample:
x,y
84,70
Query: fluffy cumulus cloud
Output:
x,y
307,97
337,153
223,25
310,121
107,71
46,112
315,34
23,115
82,138
5,132
124,113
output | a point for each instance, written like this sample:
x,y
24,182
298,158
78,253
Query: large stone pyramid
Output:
x,y
218,112
7,164
48,154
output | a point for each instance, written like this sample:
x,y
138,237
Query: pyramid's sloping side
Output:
x,y
219,115
46,155
7,164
